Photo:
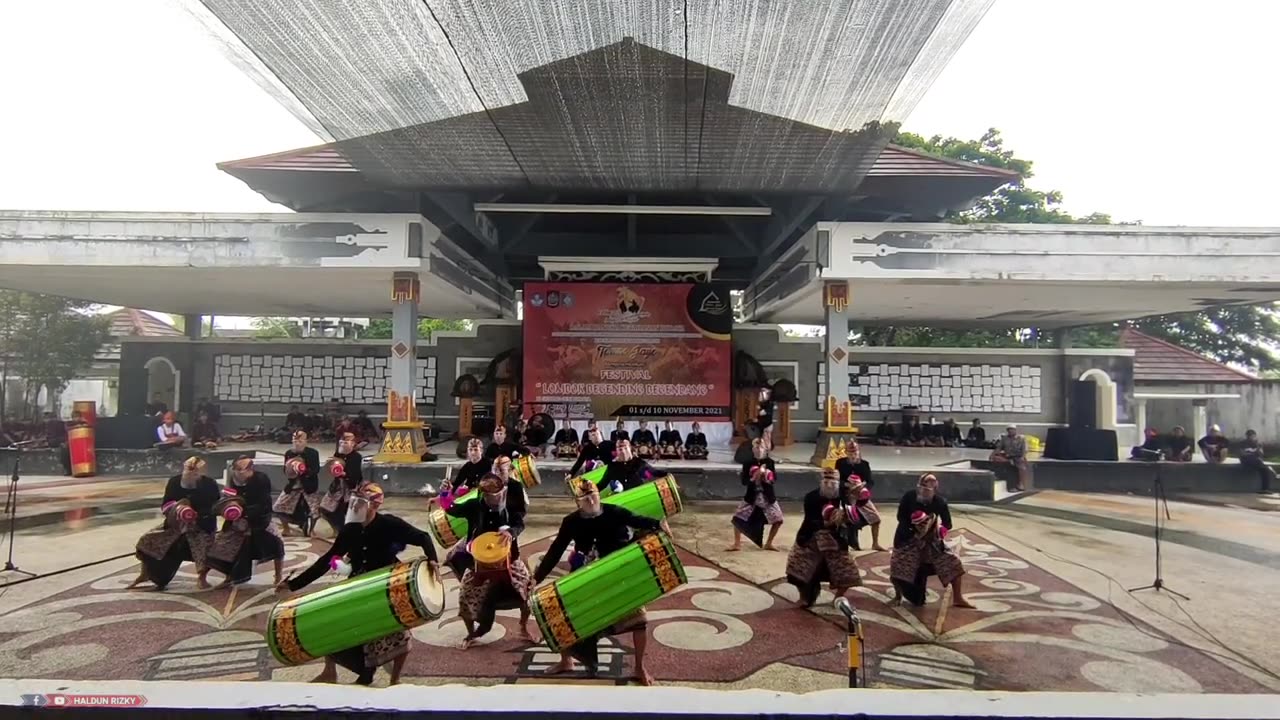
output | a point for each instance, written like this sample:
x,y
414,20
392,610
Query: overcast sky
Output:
x,y
1154,110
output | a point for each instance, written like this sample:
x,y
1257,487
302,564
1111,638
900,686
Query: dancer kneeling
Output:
x,y
299,502
371,541
821,552
347,470
760,503
485,590
253,537
918,548
597,530
187,531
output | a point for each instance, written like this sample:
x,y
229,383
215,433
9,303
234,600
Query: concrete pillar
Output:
x,y
194,326
1062,338
1199,420
837,427
404,333
403,440
1140,417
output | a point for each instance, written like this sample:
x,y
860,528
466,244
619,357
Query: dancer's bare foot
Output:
x,y
136,583
878,547
733,548
326,676
565,665
525,635
468,643
770,547
202,582
961,603
643,677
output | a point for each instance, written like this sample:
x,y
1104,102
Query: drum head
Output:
x,y
428,593
489,548
527,471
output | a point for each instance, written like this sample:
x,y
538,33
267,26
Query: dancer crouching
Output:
x,y
760,503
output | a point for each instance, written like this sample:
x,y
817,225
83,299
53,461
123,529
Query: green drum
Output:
x,y
592,598
658,499
354,612
595,475
448,529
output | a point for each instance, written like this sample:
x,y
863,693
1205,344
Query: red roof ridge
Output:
x,y
990,169
1190,354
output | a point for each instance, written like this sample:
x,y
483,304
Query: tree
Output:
x,y
275,327
46,341
1238,335
380,328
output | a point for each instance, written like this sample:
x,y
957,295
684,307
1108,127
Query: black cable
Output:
x,y
65,570
1236,657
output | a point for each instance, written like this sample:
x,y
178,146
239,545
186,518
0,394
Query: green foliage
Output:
x,y
275,327
1238,335
380,328
46,340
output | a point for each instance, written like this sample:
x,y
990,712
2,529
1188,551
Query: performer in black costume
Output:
x,y
627,470
300,500
924,519
852,465
695,443
759,506
253,537
593,450
501,446
469,472
333,506
821,552
596,530
501,509
370,541
163,550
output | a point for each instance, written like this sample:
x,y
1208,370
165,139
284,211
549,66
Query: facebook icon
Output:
x,y
34,701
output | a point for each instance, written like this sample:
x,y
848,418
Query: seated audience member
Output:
x,y
518,432
501,446
296,420
1150,449
170,433
535,436
1180,446
566,441
619,433
1215,445
366,431
315,423
669,441
951,433
933,434
885,434
1011,450
977,437
643,441
695,443
204,433
157,407
912,434
212,409
1253,458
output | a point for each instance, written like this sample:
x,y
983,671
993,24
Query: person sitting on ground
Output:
x,y
314,423
366,431
170,433
912,434
885,434
501,446
296,420
977,437
1215,445
209,408
933,435
535,436
643,440
669,441
695,443
1150,450
204,433
566,441
1254,458
951,433
1011,450
619,433
1180,446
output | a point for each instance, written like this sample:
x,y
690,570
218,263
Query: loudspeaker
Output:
x,y
1083,404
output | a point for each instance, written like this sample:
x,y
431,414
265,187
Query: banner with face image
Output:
x,y
629,350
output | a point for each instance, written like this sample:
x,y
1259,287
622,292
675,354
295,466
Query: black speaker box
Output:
x,y
1083,405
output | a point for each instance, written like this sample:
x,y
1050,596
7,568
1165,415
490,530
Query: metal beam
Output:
x,y
647,245
457,206
623,209
782,227
631,225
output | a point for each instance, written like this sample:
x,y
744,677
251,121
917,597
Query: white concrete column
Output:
x,y
1199,420
405,293
836,300
1140,417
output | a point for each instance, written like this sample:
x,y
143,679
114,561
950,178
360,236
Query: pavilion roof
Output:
x,y
1159,361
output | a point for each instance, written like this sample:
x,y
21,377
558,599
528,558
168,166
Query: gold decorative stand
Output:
x,y
837,431
402,439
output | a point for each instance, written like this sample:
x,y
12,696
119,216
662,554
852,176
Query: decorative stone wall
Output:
x,y
311,379
967,388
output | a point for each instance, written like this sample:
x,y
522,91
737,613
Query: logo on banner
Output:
x,y
628,307
713,304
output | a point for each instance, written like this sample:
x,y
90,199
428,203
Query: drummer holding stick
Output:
x,y
370,540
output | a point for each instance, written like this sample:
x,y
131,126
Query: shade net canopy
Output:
x,y
743,96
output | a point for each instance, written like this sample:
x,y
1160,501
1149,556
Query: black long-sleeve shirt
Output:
x,y
695,438
351,462
632,474
669,437
606,533
310,478
908,505
589,452
202,498
255,493
643,436
506,449
861,468
566,435
750,483
617,435
812,523
481,518
469,474
369,547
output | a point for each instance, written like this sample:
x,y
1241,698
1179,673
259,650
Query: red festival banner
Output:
x,y
627,350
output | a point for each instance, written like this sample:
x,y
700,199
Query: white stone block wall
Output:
x,y
942,388
312,379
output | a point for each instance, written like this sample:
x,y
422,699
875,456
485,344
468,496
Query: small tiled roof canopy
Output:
x,y
128,322
1158,361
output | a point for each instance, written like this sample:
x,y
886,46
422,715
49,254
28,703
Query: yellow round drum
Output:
x,y
525,470
492,554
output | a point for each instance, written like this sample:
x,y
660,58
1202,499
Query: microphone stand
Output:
x,y
857,666
1162,502
11,509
